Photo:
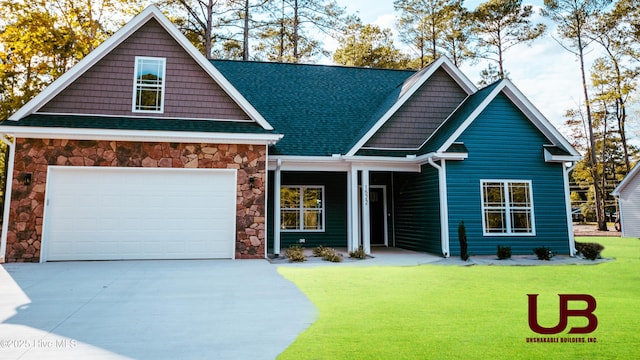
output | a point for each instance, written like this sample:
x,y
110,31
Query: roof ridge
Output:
x,y
312,65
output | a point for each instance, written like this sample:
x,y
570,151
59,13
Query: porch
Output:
x,y
391,207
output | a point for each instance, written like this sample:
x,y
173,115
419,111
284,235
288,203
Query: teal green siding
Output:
x,y
417,210
503,144
335,197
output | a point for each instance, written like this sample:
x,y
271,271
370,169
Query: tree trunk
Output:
x,y
593,161
281,50
208,29
295,31
621,115
245,38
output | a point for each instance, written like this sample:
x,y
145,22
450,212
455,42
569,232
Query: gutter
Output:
x,y
444,208
567,195
7,197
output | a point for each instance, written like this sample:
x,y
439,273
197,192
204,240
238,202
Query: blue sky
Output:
x,y
546,73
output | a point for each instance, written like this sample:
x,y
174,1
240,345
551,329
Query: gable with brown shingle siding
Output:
x,y
107,88
421,115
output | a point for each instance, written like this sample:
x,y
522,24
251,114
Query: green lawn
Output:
x,y
476,312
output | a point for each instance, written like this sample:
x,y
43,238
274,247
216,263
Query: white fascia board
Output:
x,y
83,65
307,163
116,39
424,159
210,69
139,135
342,163
537,118
626,181
524,105
381,163
442,62
548,157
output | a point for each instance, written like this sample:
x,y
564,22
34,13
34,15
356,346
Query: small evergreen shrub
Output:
x,y
319,251
462,237
295,253
504,252
543,253
330,254
358,254
590,251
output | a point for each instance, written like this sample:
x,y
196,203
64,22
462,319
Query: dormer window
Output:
x,y
148,85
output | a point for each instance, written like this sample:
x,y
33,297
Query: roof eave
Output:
x,y
626,181
524,105
140,135
548,157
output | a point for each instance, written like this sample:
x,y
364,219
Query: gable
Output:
x,y
421,115
501,130
476,104
107,87
629,183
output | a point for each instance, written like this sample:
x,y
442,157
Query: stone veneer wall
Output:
x,y
35,155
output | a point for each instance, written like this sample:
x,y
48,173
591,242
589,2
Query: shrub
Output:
x,y
319,251
590,251
504,252
295,253
462,237
543,253
358,254
330,254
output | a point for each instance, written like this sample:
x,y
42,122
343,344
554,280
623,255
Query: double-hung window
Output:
x,y
507,207
148,85
302,208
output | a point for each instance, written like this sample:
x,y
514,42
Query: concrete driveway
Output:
x,y
198,309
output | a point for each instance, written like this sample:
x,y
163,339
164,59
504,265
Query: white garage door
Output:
x,y
104,213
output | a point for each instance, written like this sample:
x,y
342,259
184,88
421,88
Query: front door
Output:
x,y
378,215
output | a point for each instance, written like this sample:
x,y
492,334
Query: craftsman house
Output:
x,y
147,150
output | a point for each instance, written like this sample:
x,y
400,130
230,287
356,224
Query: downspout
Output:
x,y
276,207
567,195
7,198
444,208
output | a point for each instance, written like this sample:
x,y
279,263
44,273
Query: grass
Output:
x,y
477,312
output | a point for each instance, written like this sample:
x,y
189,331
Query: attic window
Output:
x,y
148,89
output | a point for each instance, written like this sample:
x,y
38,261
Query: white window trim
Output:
x,y
135,85
505,187
322,209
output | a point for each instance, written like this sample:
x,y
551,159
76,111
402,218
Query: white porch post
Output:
x,y
366,229
567,198
352,210
7,197
277,221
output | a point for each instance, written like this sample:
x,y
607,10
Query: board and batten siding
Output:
x,y
504,145
629,200
421,115
107,87
417,210
335,208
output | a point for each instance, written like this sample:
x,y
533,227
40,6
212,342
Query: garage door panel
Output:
x,y
127,213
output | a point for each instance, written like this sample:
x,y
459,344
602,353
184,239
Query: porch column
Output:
x,y
353,235
276,209
366,228
567,198
7,197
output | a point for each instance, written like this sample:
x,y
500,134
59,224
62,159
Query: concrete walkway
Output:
x,y
218,309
